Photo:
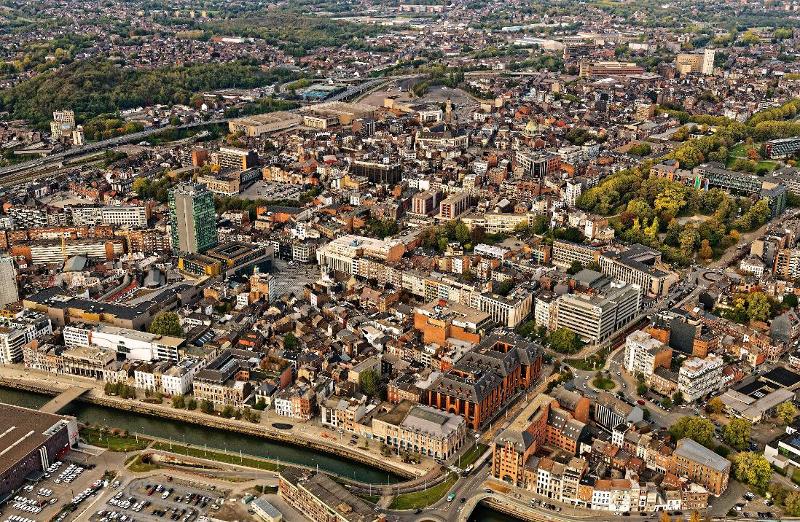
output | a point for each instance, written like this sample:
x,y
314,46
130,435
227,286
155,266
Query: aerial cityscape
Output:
x,y
399,260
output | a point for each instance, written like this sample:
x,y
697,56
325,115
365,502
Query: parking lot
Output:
x,y
270,190
158,498
63,490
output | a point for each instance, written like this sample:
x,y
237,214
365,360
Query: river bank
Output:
x,y
288,448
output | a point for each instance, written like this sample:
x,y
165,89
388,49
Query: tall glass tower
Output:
x,y
192,218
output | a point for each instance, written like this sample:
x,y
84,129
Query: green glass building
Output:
x,y
192,218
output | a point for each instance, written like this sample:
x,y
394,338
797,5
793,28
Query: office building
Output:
x,y
595,317
782,148
379,173
420,429
192,218
641,266
321,499
236,158
483,379
131,344
602,69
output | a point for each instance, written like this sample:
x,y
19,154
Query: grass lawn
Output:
x,y
603,383
590,364
771,165
372,499
796,476
425,498
192,451
135,464
472,455
112,442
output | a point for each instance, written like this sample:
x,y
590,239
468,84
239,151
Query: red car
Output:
x,y
640,402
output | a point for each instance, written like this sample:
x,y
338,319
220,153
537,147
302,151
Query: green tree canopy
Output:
x,y
698,429
752,469
737,433
166,323
370,383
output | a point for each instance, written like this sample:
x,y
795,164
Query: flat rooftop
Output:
x,y
22,431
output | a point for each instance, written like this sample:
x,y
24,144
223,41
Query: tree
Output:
x,y
752,469
178,401
715,405
786,412
664,517
290,341
166,323
790,301
228,411
261,404
677,398
705,250
791,504
370,382
698,429
737,433
695,517
575,267
191,404
563,340
641,389
206,406
688,238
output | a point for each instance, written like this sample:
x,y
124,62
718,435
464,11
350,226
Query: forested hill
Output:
x,y
95,87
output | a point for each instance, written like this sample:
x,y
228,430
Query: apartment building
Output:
x,y
424,203
701,465
343,413
699,377
643,354
236,158
18,330
556,478
454,205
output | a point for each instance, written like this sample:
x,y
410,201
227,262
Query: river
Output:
x,y
198,435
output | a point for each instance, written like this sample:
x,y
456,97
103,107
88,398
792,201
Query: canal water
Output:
x,y
483,513
183,432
